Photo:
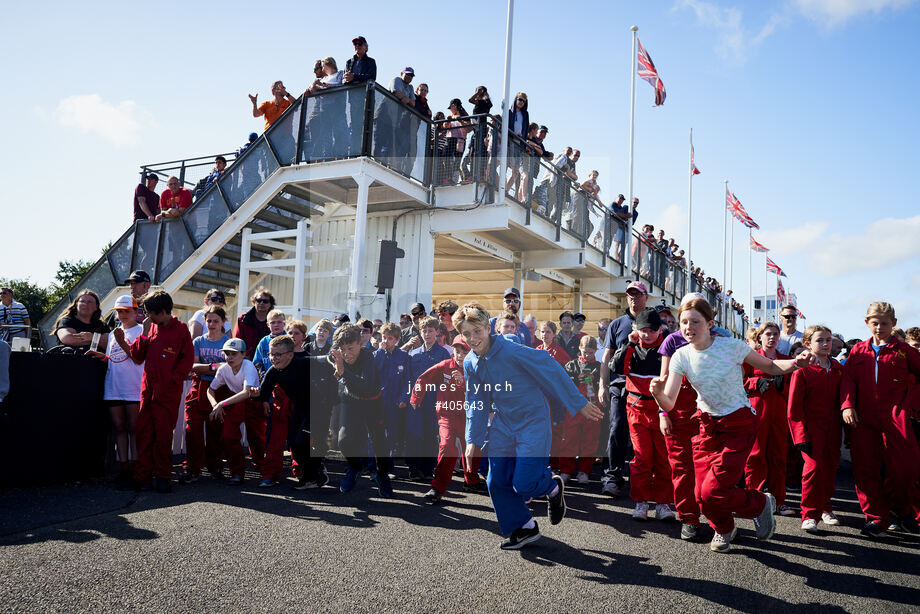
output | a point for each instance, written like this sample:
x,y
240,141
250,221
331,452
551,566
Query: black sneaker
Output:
x,y
556,507
478,487
322,479
188,477
432,496
163,485
416,476
873,529
521,537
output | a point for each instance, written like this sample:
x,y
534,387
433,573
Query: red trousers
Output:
x,y
874,442
685,429
277,439
250,413
580,441
820,471
449,429
766,466
156,421
202,435
649,470
723,447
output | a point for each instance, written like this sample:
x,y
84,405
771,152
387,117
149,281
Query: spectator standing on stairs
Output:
x,y
272,109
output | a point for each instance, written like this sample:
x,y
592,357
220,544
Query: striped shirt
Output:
x,y
14,313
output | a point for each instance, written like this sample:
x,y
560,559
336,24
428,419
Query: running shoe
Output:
x,y
641,511
582,478
432,496
663,511
384,487
785,510
521,537
268,483
611,489
873,529
689,532
556,507
163,485
349,480
810,525
765,523
830,519
722,542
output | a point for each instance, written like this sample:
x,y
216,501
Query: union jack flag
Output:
x,y
780,293
738,212
793,299
773,268
757,247
648,72
800,314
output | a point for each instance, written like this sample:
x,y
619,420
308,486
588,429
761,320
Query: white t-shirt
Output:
x,y
123,378
246,376
785,343
199,317
715,373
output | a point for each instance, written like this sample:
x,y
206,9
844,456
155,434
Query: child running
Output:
x,y
239,375
202,435
649,470
515,380
728,428
814,418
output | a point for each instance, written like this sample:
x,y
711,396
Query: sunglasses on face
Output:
x,y
788,317
263,301
216,299
416,314
601,330
513,301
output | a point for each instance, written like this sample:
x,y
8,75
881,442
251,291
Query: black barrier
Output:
x,y
54,425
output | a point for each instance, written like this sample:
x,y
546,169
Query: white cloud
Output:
x,y
880,244
120,124
835,12
735,43
793,240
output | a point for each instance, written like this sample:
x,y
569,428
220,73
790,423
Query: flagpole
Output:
x,y
750,274
689,210
503,157
766,286
731,257
632,118
724,235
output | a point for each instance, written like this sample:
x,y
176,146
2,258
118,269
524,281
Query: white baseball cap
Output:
x,y
125,301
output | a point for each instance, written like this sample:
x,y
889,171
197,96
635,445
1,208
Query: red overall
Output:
x,y
879,391
581,434
814,416
282,407
766,465
450,385
649,470
202,435
562,357
685,429
168,356
251,413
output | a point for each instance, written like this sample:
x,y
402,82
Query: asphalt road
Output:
x,y
208,547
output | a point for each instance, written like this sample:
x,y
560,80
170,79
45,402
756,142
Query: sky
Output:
x,y
806,107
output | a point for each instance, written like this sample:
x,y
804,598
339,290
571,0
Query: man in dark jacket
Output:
x,y
253,325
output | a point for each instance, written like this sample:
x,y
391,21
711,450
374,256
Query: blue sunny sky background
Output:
x,y
807,107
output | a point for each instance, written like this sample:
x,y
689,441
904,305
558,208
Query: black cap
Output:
x,y
510,291
579,316
343,317
663,307
566,313
359,39
138,276
544,129
416,307
648,318
152,176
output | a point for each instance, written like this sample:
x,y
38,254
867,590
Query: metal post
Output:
x,y
724,237
300,268
503,157
766,281
750,274
632,116
357,261
242,291
690,207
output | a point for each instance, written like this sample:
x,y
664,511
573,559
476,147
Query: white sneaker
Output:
x,y
611,489
641,511
829,519
663,511
565,477
810,525
721,542
582,477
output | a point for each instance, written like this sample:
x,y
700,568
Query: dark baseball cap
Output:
x,y
648,318
138,276
512,290
579,316
417,307
152,176
359,39
343,317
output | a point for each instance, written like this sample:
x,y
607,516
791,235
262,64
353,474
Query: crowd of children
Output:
x,y
710,418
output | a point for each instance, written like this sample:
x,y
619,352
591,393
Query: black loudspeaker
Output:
x,y
386,270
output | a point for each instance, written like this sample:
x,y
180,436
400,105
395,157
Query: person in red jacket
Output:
x,y
649,470
814,419
769,395
875,397
581,434
548,334
253,325
168,356
446,377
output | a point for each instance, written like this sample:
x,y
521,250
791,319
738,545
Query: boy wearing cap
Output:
x,y
649,471
421,424
446,378
202,436
167,354
239,375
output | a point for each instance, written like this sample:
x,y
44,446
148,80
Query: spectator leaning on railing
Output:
x,y
272,109
14,314
174,200
421,100
146,201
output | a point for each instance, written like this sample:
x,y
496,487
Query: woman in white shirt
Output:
x,y
728,425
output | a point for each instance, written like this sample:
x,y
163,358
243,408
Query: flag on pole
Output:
x,y
757,247
800,314
792,299
648,72
773,268
780,292
693,167
738,212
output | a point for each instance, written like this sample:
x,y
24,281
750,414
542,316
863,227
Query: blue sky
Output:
x,y
807,107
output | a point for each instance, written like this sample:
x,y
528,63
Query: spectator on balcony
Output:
x,y
480,100
421,100
326,122
272,109
455,143
405,124
253,325
146,201
564,191
621,212
541,136
13,313
401,87
82,319
197,325
174,200
530,163
250,140
360,68
330,75
547,195
518,124
220,165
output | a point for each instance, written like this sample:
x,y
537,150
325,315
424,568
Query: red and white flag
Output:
x,y
738,212
648,72
800,314
693,169
773,268
780,293
757,247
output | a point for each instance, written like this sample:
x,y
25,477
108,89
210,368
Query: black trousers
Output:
x,y
361,419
